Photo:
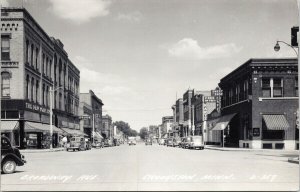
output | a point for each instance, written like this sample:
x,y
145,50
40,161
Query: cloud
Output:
x,y
80,11
133,17
4,3
188,48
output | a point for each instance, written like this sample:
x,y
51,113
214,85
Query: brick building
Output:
x,y
107,129
31,64
259,104
91,106
178,118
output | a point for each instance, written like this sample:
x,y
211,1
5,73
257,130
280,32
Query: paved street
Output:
x,y
155,167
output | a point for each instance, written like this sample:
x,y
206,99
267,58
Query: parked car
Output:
x,y
161,141
170,142
88,145
76,143
98,144
108,143
10,157
148,142
196,142
131,140
176,142
185,142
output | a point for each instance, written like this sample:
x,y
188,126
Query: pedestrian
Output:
x,y
64,141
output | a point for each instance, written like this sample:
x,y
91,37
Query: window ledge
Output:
x,y
276,98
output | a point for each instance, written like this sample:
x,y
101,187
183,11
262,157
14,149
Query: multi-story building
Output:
x,y
187,112
91,106
166,125
107,126
259,104
178,118
33,64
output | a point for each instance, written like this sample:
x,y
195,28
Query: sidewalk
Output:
x,y
42,150
219,148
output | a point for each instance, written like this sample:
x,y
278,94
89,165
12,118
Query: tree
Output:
x,y
143,133
125,128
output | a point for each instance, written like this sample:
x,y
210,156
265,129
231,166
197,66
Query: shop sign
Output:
x,y
256,132
217,92
37,108
209,99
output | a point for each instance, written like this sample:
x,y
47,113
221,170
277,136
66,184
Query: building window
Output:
x,y
27,52
31,57
27,87
43,64
43,100
277,87
37,91
60,101
36,58
32,87
266,87
5,47
296,87
5,84
47,98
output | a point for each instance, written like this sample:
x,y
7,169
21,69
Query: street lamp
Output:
x,y
277,46
51,114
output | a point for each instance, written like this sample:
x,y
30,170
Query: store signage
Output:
x,y
209,99
84,117
217,92
256,132
36,107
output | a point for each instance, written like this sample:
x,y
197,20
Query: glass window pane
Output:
x,y
266,92
277,92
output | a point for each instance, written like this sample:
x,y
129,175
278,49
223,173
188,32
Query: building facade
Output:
x,y
107,129
166,126
32,63
91,108
259,104
178,118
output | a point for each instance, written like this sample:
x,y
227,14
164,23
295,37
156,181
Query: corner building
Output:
x,y
259,105
32,63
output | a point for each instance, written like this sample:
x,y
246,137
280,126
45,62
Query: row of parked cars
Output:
x,y
81,144
191,142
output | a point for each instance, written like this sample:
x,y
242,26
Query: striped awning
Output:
x,y
8,126
74,132
276,122
40,127
97,135
223,122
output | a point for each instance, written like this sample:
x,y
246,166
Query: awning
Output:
x,y
276,122
97,135
223,122
74,132
40,127
8,126
212,123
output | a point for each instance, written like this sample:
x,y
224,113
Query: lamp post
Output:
x,y
51,113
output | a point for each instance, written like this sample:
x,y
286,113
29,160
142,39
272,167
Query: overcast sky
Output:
x,y
137,54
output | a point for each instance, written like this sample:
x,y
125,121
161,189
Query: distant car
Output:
x,y
185,142
196,142
108,143
148,142
170,142
176,142
98,144
131,140
10,157
161,141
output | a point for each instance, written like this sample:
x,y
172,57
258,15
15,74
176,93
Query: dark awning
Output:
x,y
40,127
276,122
8,126
74,132
223,122
212,123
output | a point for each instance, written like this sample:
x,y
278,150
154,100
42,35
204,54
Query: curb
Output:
x,y
294,160
41,150
247,149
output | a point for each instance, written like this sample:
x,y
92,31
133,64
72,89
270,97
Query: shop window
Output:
x,y
5,84
12,114
273,134
279,145
5,47
267,145
31,54
266,87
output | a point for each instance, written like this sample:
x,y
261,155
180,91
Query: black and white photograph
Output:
x,y
149,95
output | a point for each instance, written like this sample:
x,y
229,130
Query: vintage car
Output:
x,y
10,156
88,145
196,142
185,142
170,142
161,141
108,143
131,140
176,142
76,143
148,142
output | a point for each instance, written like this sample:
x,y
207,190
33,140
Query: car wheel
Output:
x,y
8,166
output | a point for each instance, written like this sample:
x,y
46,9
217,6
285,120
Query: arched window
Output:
x,y
5,85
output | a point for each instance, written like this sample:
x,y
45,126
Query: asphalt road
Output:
x,y
154,167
